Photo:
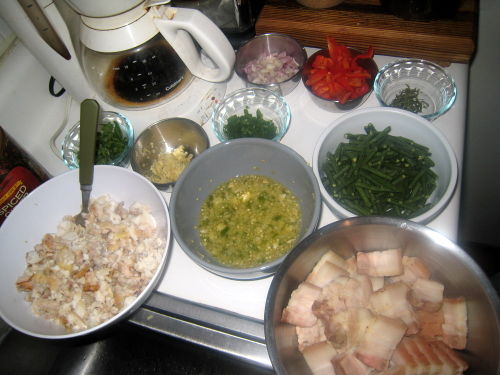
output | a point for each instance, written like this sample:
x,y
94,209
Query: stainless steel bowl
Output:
x,y
334,105
266,44
164,137
448,263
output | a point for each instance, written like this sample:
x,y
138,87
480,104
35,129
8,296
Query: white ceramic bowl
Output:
x,y
40,212
402,123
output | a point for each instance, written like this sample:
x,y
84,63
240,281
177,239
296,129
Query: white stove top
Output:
x,y
31,116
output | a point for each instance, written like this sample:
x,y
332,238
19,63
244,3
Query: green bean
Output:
x,y
377,173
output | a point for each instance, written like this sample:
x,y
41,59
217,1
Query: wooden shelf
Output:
x,y
364,23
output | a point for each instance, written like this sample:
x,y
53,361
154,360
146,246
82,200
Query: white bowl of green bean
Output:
x,y
387,162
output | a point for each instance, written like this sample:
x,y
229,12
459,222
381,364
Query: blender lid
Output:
x,y
100,8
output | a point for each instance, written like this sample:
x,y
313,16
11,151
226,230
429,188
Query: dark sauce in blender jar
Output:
x,y
147,74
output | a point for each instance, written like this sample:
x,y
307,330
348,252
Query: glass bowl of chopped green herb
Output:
x,y
415,85
114,140
251,113
385,161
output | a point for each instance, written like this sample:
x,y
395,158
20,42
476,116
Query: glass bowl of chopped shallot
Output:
x,y
416,85
273,61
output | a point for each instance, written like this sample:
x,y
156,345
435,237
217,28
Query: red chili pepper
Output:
x,y
338,75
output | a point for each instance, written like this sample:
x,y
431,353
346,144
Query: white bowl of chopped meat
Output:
x,y
377,295
60,280
273,61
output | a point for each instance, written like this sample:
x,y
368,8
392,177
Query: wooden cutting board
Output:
x,y
364,23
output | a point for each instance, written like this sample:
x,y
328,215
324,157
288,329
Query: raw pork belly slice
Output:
x,y
392,301
427,294
299,309
319,358
379,342
455,322
348,364
380,263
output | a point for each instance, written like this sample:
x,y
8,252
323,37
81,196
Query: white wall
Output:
x,y
480,218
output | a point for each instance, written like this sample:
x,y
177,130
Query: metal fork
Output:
x,y
89,115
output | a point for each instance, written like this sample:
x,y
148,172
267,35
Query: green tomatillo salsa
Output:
x,y
249,220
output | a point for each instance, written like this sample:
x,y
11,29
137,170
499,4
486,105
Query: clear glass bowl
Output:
x,y
71,144
273,107
437,87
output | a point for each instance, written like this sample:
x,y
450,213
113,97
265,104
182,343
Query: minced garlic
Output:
x,y
168,166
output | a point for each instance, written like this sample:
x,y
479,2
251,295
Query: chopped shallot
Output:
x,y
271,68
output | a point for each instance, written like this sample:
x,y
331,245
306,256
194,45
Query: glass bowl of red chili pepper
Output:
x,y
114,140
416,85
273,61
339,78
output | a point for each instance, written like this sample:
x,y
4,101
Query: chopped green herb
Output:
x,y
110,143
408,99
248,125
380,174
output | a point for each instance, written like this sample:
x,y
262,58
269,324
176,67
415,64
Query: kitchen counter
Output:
x,y
192,303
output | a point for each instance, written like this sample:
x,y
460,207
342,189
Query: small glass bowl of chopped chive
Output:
x,y
415,85
251,113
114,140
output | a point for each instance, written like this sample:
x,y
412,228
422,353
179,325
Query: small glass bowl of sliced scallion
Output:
x,y
114,140
415,85
252,112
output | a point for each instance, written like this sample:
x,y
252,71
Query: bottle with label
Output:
x,y
19,174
